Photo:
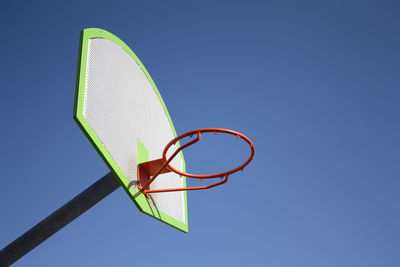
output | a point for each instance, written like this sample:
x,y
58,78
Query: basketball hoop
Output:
x,y
149,171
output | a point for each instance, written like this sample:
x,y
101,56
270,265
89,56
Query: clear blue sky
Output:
x,y
315,84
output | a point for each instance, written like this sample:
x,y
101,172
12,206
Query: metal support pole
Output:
x,y
58,219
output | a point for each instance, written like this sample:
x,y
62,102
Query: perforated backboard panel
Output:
x,y
120,109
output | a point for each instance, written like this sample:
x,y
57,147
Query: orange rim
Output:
x,y
149,171
199,132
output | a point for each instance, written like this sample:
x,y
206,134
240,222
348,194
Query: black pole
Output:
x,y
58,219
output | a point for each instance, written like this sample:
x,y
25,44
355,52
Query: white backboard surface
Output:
x,y
121,110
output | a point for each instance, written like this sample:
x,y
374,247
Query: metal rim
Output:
x,y
199,132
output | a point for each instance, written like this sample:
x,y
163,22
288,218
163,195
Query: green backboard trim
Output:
x,y
138,198
142,153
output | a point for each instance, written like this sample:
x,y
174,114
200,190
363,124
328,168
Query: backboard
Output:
x,y
121,111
